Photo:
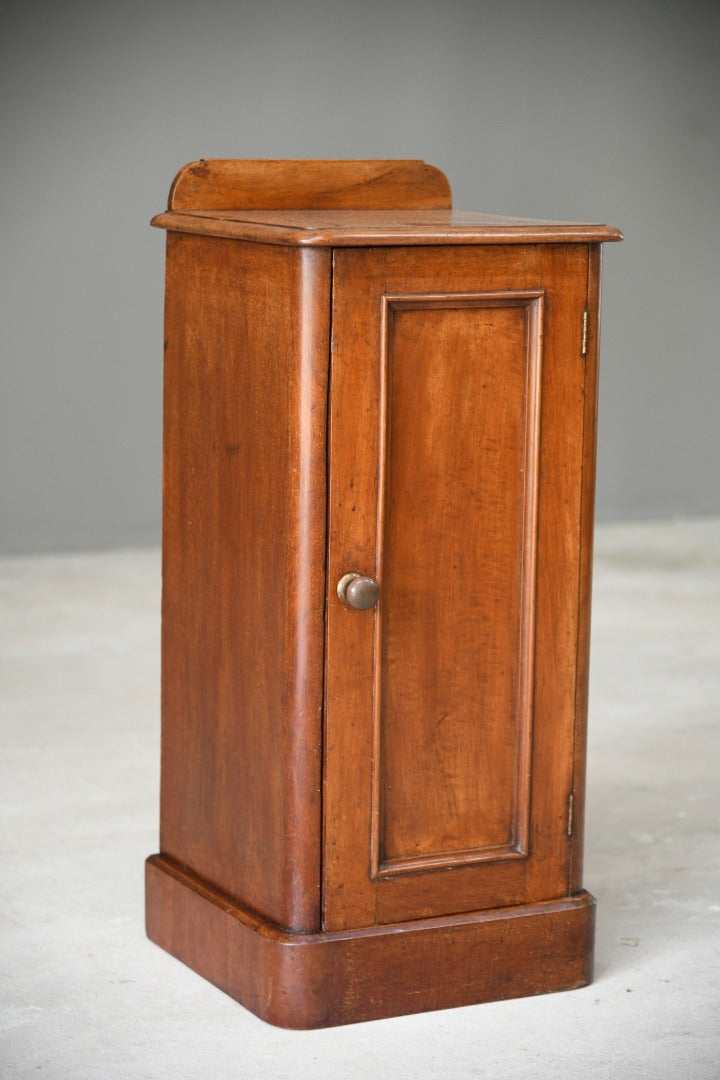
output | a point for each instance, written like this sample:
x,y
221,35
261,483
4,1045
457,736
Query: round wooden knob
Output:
x,y
358,592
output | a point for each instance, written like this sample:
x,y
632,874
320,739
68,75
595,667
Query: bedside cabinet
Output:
x,y
379,445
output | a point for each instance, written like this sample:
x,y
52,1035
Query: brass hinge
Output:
x,y
583,346
571,813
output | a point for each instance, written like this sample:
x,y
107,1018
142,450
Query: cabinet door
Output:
x,y
455,479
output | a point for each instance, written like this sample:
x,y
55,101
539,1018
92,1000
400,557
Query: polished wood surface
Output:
x,y
377,811
323,979
454,700
216,184
587,516
453,738
359,228
243,569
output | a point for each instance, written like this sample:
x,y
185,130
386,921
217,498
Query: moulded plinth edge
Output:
x,y
323,979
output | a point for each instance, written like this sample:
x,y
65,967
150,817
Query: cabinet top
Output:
x,y
368,228
320,203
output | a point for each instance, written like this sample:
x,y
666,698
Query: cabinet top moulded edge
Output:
x,y
316,203
379,228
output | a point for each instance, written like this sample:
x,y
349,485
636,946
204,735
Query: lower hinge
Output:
x,y
570,813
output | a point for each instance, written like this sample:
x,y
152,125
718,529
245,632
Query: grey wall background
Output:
x,y
604,112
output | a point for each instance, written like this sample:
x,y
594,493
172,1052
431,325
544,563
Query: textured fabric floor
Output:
x,y
85,995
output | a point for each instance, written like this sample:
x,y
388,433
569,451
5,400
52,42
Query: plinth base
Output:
x,y
322,979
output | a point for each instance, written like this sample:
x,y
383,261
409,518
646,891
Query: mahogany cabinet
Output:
x,y
379,442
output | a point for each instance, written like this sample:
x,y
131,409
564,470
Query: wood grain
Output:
x,y
453,518
584,600
358,228
216,184
354,754
243,569
320,980
370,813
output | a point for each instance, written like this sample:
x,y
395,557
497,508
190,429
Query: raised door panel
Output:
x,y
460,403
456,421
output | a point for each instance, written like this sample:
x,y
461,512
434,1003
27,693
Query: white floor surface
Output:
x,y
83,994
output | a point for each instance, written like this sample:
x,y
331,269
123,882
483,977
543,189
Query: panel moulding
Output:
x,y
532,301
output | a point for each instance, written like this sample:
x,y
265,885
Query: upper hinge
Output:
x,y
584,340
570,813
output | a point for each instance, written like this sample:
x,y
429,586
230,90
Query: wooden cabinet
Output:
x,y
374,809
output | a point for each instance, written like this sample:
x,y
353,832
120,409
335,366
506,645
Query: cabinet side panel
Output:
x,y
243,570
